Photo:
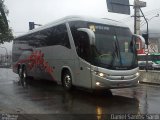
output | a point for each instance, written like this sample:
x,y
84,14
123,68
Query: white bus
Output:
x,y
79,51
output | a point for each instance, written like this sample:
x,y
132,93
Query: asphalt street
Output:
x,y
43,97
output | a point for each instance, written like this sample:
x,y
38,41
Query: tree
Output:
x,y
5,32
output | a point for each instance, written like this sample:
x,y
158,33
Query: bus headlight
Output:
x,y
100,74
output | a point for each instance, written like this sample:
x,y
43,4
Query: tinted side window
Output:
x,y
55,36
34,39
74,25
81,40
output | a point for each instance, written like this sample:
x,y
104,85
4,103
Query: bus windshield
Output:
x,y
114,48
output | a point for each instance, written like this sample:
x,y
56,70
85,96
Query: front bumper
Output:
x,y
105,83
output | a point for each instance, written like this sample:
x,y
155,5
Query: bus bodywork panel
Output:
x,y
42,62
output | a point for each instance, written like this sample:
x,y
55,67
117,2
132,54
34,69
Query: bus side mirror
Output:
x,y
90,34
139,38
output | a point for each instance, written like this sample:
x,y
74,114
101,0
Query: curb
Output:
x,y
149,83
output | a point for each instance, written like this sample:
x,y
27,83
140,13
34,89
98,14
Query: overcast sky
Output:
x,y
45,11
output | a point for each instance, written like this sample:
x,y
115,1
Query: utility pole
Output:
x,y
136,17
137,6
137,9
6,55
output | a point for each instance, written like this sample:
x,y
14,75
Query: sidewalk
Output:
x,y
150,77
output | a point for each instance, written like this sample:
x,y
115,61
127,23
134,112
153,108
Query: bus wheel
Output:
x,y
108,93
67,80
23,78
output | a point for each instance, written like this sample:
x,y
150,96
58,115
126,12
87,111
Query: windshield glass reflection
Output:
x,y
114,48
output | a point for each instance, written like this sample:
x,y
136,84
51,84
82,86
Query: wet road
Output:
x,y
44,97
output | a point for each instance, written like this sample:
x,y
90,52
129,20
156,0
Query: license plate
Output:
x,y
121,84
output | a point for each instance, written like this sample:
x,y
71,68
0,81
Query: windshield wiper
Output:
x,y
133,48
115,53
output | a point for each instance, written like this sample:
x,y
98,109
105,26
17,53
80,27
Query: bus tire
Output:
x,y
67,80
108,93
24,77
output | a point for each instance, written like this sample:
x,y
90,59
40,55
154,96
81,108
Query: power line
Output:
x,y
148,13
152,11
143,22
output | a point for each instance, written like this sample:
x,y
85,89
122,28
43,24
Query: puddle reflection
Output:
x,y
53,98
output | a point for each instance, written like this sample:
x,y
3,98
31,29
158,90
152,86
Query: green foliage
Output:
x,y
6,36
5,32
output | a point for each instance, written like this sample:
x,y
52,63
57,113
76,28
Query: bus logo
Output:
x,y
122,78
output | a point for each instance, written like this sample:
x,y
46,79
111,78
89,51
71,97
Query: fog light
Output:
x,y
137,74
97,83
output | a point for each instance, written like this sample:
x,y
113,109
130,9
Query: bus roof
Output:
x,y
76,18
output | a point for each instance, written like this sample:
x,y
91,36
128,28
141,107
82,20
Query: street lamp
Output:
x,y
6,53
143,23
153,17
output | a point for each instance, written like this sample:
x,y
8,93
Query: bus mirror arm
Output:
x,y
90,34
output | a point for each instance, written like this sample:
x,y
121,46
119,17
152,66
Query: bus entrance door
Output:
x,y
84,77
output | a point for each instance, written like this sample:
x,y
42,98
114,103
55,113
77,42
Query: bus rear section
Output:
x,y
44,53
